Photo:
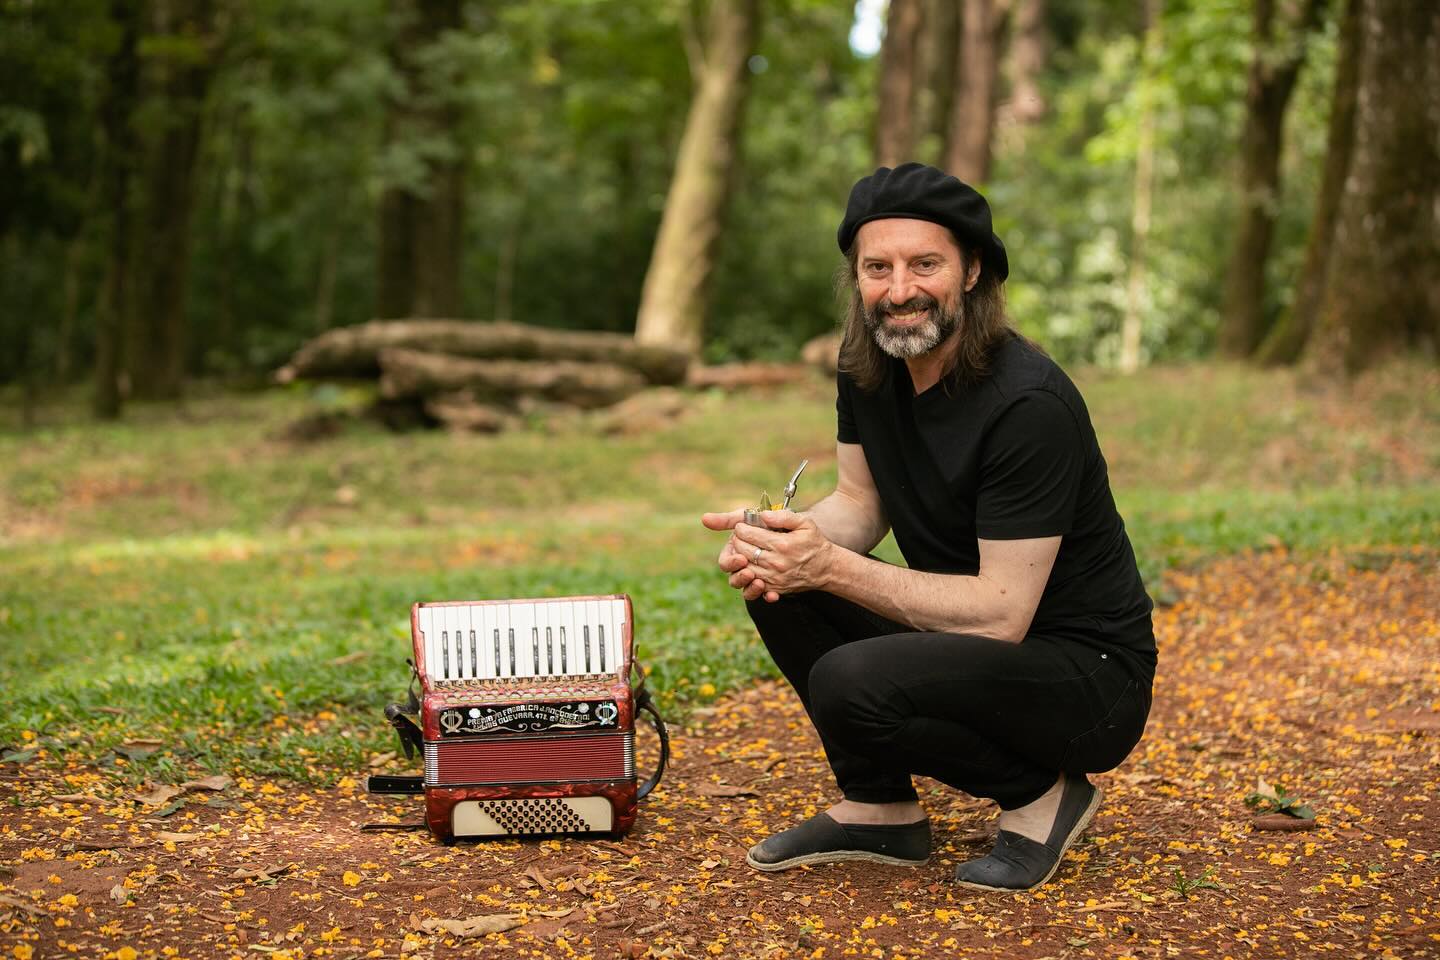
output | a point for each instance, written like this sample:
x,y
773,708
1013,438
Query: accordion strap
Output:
x,y
644,703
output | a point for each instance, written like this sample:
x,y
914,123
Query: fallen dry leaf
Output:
x,y
112,843
159,795
536,876
263,873
217,782
21,905
474,926
724,790
178,837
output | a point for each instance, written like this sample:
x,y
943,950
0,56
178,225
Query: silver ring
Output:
x,y
755,557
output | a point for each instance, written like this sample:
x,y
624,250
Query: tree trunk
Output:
x,y
70,309
895,117
1287,338
972,116
674,300
1382,293
421,227
935,80
156,345
355,351
1027,62
1133,324
1275,64
122,83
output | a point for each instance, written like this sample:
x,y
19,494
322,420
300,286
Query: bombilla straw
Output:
x,y
790,487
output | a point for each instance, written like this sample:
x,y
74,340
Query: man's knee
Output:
x,y
847,691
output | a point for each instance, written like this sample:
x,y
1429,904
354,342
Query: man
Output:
x,y
1014,654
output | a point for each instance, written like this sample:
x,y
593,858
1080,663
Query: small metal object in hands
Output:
x,y
753,518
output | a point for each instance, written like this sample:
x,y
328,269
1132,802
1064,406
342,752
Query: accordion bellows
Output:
x,y
527,715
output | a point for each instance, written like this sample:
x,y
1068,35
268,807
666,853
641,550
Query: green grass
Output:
x,y
244,599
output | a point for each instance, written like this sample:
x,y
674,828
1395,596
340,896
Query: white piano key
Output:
x,y
528,656
462,625
472,644
457,643
481,622
574,617
552,623
432,644
564,629
550,633
537,651
615,636
623,628
592,620
492,641
448,643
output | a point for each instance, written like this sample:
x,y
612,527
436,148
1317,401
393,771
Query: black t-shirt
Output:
x,y
1013,457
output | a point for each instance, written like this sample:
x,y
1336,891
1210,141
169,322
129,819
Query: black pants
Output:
x,y
993,719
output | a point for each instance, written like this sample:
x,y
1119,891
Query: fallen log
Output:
x,y
412,373
823,352
461,411
355,351
746,376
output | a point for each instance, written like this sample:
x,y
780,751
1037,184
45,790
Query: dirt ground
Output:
x,y
1320,677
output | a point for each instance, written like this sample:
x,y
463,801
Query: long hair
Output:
x,y
983,324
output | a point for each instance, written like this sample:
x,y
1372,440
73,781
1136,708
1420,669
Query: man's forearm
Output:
x,y
847,523
949,603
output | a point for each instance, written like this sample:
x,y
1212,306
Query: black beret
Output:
x,y
914,191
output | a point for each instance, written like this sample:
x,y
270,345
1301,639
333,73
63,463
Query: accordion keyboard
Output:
x,y
466,642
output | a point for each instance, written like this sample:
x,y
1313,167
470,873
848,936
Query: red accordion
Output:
x,y
527,717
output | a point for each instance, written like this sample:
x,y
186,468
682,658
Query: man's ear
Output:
x,y
972,272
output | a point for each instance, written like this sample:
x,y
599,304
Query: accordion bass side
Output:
x,y
527,717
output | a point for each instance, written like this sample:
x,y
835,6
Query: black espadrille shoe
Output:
x,y
824,840
1019,863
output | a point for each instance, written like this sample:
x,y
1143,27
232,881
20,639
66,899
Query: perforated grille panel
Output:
x,y
558,759
488,818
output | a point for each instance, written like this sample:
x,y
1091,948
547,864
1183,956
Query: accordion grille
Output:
x,y
531,760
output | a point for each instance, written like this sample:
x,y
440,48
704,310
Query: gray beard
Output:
x,y
920,339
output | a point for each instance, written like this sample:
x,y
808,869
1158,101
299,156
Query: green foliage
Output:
x,y
568,117
1267,799
1184,886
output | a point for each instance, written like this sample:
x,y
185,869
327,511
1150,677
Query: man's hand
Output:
x,y
791,556
733,561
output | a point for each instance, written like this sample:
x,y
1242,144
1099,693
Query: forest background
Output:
x,y
192,188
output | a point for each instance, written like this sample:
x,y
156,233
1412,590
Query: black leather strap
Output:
x,y
644,703
378,783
